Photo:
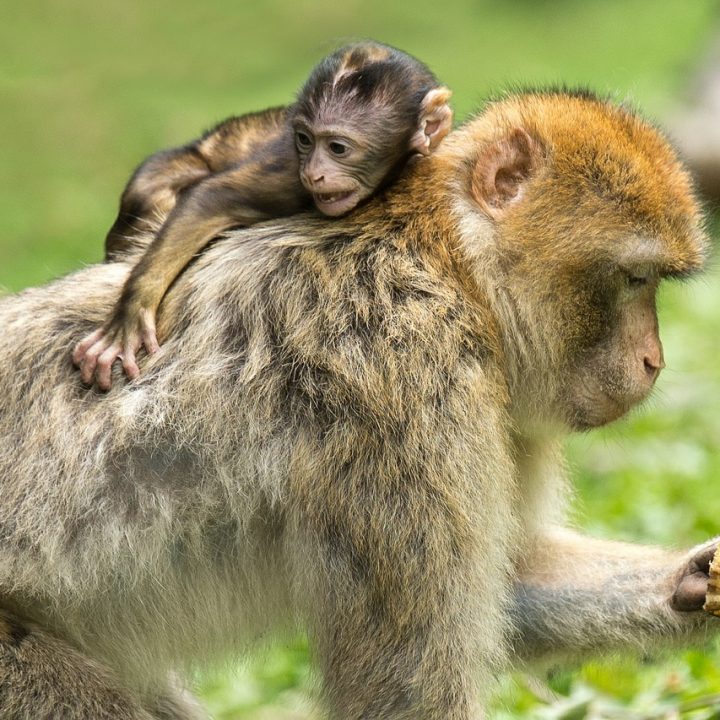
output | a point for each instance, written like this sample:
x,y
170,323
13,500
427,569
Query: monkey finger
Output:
x,y
690,593
103,372
149,335
704,556
84,345
149,340
129,363
89,362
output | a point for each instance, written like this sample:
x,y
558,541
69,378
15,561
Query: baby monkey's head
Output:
x,y
362,113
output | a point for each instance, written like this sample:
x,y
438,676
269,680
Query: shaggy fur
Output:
x,y
351,426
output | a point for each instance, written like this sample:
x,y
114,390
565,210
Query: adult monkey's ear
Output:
x,y
434,121
502,171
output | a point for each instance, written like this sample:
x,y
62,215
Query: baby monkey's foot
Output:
x,y
96,354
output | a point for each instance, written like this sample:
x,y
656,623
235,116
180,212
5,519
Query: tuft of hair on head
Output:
x,y
366,74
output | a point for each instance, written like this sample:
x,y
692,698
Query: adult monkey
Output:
x,y
355,425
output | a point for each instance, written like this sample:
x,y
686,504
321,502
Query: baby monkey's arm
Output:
x,y
241,197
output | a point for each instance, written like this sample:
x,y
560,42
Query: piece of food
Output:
x,y
712,599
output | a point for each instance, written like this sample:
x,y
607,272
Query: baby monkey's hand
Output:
x,y
120,338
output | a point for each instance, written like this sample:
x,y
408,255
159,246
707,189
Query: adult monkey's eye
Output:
x,y
337,148
303,139
635,281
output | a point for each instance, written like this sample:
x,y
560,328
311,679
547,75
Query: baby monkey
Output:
x,y
363,112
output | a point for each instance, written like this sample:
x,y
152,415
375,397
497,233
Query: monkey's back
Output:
x,y
298,376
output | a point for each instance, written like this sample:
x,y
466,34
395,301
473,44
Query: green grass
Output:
x,y
89,88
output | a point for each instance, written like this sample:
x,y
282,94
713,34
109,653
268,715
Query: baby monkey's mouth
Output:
x,y
336,203
332,197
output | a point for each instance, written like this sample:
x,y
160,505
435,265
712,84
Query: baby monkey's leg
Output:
x,y
150,196
157,184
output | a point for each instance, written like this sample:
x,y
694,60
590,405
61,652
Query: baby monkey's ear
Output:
x,y
434,121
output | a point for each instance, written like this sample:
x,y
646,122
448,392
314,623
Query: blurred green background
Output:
x,y
89,87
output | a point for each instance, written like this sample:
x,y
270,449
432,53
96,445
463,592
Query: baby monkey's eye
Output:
x,y
303,139
338,148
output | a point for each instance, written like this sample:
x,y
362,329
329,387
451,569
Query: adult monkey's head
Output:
x,y
572,211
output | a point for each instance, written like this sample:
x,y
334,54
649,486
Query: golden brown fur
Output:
x,y
354,425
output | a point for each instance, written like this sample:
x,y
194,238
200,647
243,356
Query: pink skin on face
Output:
x,y
334,203
325,172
